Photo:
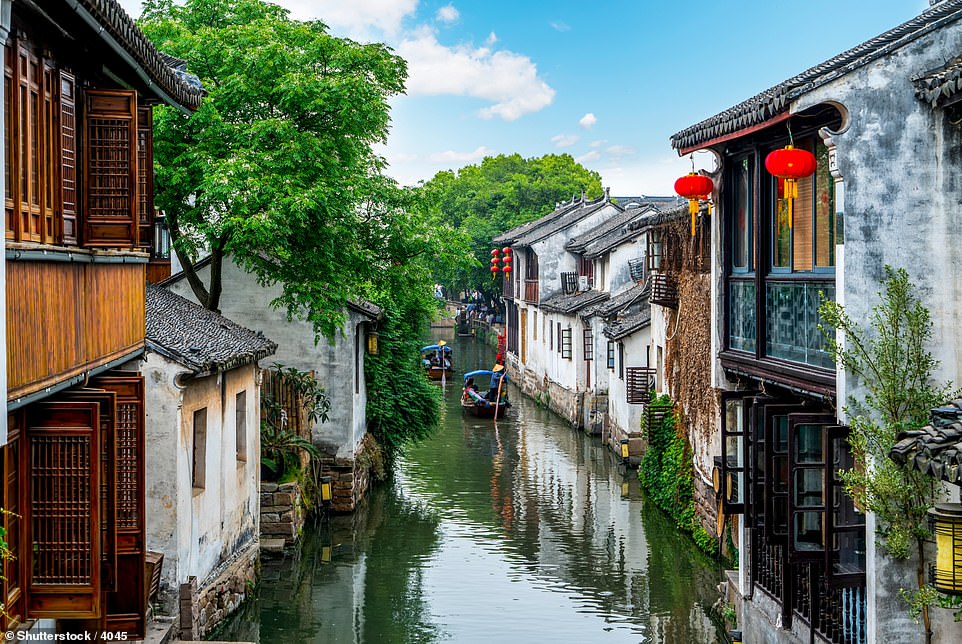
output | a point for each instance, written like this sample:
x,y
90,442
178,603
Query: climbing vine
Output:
x,y
667,474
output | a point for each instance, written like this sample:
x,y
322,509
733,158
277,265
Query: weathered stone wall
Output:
x,y
350,478
202,608
564,402
282,511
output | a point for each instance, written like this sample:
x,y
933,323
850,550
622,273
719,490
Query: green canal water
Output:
x,y
525,531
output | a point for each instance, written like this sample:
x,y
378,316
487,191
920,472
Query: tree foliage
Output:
x,y
502,192
895,370
276,168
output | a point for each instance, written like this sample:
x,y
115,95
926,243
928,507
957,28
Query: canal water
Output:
x,y
523,531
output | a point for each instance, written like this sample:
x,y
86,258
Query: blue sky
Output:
x,y
607,81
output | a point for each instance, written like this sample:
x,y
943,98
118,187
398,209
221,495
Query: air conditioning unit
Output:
x,y
584,283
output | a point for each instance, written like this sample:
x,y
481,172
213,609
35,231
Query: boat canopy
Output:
x,y
484,372
435,347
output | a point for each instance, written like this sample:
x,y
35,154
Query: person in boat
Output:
x,y
496,377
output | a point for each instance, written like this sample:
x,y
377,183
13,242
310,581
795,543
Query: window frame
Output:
x,y
198,461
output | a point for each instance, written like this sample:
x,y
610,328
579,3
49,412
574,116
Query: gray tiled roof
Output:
x,y
610,226
775,100
628,324
936,449
180,86
619,302
566,214
942,85
571,302
199,339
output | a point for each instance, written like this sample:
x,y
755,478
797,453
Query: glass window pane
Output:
x,y
780,474
734,486
808,444
802,225
781,233
741,316
741,224
808,531
808,488
849,553
780,434
824,210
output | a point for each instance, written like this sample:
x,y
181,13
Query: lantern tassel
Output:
x,y
791,192
693,209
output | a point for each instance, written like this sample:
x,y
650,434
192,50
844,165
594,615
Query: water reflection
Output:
x,y
524,531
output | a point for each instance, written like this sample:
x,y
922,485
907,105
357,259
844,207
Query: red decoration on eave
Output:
x,y
495,252
694,187
507,250
790,164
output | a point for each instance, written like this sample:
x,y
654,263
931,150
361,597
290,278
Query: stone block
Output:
x,y
285,528
271,517
269,487
283,498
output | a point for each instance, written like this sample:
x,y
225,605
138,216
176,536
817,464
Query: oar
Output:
x,y
497,399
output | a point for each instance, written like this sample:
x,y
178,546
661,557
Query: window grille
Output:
x,y
569,283
589,345
639,383
637,269
611,355
566,343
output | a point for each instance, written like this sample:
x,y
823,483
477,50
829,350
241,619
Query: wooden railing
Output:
x,y
68,318
531,291
507,288
664,290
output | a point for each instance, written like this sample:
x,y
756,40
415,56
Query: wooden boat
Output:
x,y
479,404
436,359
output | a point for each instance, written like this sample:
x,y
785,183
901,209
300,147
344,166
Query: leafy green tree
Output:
x,y
276,168
890,361
484,200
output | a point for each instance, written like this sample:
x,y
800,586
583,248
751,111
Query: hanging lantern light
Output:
x,y
506,259
693,187
507,250
494,269
507,268
495,252
327,492
624,450
790,164
495,261
945,575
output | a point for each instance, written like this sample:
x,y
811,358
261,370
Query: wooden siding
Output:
x,y
66,318
158,270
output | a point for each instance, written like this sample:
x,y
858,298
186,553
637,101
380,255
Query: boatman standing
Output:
x,y
497,374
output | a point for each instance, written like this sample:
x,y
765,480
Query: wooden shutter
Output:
x,y
145,176
126,607
12,521
639,383
61,460
110,169
68,157
108,458
10,138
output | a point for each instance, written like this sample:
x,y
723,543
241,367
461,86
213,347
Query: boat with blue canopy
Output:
x,y
436,359
486,403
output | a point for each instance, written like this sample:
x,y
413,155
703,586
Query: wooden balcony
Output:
x,y
507,288
67,317
531,291
664,290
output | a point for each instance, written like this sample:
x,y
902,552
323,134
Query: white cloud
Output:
x,y
594,155
558,25
588,120
448,13
564,140
357,18
492,38
617,152
598,143
507,79
452,155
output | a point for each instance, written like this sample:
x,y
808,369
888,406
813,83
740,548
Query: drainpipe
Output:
x,y
104,35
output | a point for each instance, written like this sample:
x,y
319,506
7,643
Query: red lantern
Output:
x,y
790,164
507,268
507,250
507,259
495,252
494,269
692,187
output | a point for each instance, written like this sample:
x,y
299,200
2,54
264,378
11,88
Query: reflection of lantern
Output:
x,y
790,164
693,187
507,268
945,575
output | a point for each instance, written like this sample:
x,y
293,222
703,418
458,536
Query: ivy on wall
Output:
x,y
667,474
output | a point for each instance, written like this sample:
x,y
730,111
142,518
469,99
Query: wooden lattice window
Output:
x,y
145,176
611,355
654,250
589,345
111,217
198,461
63,510
68,157
559,337
126,606
569,283
639,383
12,522
566,343
240,426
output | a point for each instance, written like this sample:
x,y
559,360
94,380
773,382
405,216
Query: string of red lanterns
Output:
x,y
496,259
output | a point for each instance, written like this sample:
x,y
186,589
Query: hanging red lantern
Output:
x,y
494,269
495,252
507,268
494,261
507,250
790,164
692,187
506,259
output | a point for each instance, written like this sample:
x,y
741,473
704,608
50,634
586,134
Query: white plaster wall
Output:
x,y
619,275
248,304
625,416
197,529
